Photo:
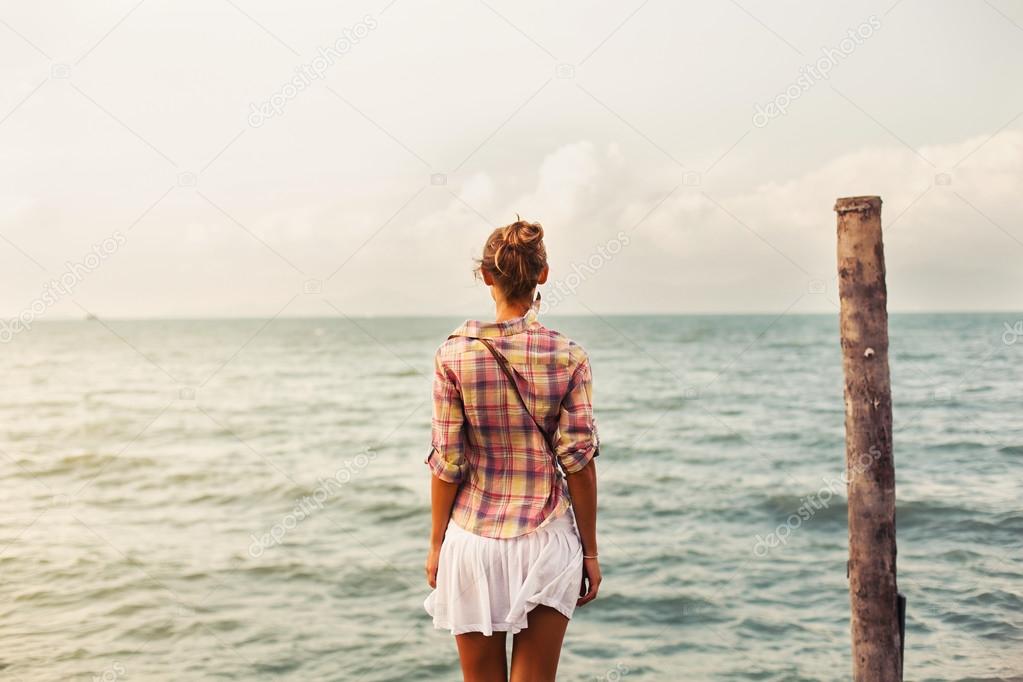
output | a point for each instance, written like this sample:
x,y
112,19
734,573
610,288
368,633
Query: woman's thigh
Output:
x,y
483,658
537,649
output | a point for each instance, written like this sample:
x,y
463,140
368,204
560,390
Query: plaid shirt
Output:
x,y
484,441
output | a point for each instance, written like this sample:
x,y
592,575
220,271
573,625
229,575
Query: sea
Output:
x,y
247,500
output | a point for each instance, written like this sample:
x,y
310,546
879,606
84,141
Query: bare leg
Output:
x,y
537,649
483,658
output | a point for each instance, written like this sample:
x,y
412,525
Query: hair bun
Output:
x,y
521,234
515,256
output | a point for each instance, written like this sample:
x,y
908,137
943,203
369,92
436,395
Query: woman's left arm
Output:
x,y
446,460
442,497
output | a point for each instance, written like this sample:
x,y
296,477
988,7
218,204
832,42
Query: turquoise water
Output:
x,y
243,500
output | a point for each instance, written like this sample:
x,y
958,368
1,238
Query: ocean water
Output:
x,y
246,500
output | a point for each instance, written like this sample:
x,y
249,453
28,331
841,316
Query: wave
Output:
x,y
814,509
676,609
957,445
85,463
819,508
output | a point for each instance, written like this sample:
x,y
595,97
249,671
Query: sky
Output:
x,y
249,158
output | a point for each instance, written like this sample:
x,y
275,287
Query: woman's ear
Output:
x,y
543,275
488,279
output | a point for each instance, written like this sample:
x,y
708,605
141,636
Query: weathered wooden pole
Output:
x,y
870,469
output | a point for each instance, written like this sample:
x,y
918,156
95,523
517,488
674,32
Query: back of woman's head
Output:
x,y
515,256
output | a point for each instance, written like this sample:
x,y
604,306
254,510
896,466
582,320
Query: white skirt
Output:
x,y
491,584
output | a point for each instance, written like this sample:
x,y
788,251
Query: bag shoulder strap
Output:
x,y
503,364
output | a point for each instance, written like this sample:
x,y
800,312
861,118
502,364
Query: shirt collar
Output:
x,y
475,329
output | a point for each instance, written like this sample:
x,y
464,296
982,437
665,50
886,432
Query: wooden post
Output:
x,y
870,469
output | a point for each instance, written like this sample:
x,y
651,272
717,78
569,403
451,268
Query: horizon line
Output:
x,y
193,318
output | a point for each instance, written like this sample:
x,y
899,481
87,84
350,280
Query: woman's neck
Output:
x,y
509,311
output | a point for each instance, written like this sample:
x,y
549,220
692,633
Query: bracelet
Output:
x,y
590,557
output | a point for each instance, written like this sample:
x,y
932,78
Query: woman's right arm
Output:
x,y
582,486
576,447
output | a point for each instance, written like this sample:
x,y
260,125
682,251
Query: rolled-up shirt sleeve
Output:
x,y
447,455
577,441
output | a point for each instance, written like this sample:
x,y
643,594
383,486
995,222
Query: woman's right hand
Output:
x,y
590,582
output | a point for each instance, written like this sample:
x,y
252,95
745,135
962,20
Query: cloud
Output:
x,y
701,248
760,249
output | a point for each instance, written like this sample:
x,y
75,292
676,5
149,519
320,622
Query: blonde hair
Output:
x,y
514,255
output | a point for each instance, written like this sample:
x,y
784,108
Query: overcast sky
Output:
x,y
630,130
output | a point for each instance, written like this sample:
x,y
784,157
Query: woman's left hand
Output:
x,y
590,582
432,560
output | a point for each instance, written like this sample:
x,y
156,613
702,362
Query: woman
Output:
x,y
513,546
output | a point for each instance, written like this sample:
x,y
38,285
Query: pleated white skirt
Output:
x,y
491,584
